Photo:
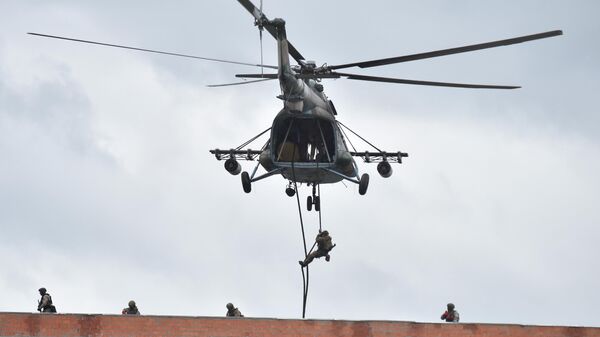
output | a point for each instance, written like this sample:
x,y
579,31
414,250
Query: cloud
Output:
x,y
108,192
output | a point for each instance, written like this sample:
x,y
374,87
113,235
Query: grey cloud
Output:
x,y
108,192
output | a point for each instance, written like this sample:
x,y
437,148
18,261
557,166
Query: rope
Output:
x,y
299,209
282,146
305,279
324,142
320,228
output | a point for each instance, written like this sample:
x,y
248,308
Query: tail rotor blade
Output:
x,y
258,15
262,70
251,8
260,31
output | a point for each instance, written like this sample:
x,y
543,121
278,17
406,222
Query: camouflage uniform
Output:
x,y
131,309
324,246
451,315
45,304
233,311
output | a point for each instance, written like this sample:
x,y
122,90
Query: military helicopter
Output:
x,y
307,144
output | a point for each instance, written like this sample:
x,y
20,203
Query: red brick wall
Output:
x,y
72,325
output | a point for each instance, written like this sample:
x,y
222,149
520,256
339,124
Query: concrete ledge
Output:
x,y
79,325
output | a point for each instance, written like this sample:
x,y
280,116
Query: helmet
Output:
x,y
131,303
42,290
325,233
230,306
450,306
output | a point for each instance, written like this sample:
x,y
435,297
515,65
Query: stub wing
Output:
x,y
377,157
247,154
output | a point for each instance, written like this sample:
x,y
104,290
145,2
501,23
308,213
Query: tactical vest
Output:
x,y
133,311
49,301
325,243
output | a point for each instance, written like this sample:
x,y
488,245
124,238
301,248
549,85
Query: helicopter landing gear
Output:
x,y
314,200
363,184
246,182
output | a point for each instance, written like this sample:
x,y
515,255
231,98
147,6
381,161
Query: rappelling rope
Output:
x,y
304,278
319,191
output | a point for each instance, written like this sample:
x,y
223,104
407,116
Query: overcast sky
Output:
x,y
108,192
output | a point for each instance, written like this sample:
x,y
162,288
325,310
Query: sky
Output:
x,y
108,192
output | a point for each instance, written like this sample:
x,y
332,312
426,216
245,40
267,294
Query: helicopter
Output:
x,y
307,144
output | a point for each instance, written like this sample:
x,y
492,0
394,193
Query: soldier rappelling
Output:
x,y
324,246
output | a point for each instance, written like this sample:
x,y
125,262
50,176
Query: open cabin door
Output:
x,y
303,140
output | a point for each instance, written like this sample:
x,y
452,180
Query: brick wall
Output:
x,y
73,325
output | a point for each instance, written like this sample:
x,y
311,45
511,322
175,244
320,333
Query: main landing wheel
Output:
x,y
317,203
363,184
246,182
309,203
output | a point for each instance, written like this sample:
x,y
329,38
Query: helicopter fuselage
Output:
x,y
306,144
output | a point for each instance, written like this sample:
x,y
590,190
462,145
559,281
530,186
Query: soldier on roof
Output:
x,y
451,315
131,309
45,303
232,311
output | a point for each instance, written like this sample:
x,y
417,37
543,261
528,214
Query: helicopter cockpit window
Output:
x,y
304,140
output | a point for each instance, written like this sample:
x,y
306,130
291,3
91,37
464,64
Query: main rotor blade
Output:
x,y
269,76
151,51
444,52
300,76
238,83
259,15
428,83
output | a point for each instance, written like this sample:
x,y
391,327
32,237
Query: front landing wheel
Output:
x,y
246,182
363,184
